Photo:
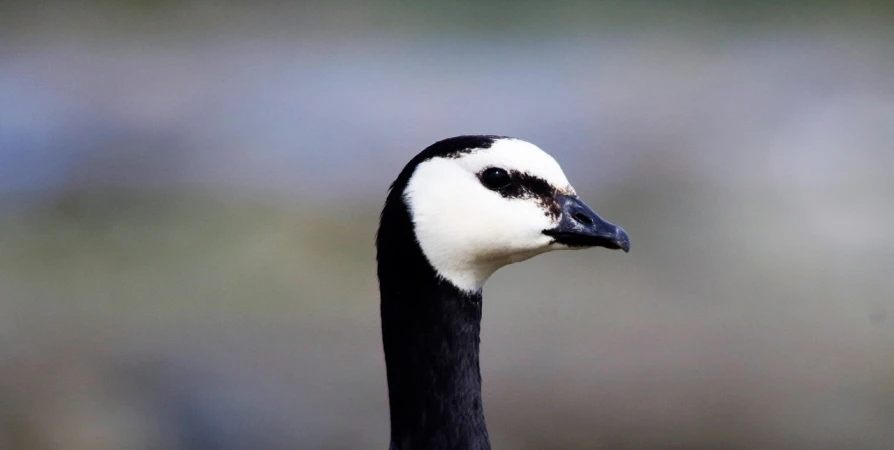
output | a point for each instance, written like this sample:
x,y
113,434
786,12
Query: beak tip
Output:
x,y
625,246
623,240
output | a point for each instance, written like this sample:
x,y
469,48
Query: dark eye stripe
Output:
x,y
529,186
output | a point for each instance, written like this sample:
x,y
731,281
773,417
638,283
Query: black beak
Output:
x,y
580,226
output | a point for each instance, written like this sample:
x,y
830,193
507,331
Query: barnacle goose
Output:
x,y
460,210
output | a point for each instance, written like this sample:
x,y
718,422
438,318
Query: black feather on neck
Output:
x,y
431,334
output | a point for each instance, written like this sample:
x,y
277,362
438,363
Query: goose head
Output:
x,y
478,203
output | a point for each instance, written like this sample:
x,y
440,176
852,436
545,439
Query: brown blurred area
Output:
x,y
189,193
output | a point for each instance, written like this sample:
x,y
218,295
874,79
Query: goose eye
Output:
x,y
495,178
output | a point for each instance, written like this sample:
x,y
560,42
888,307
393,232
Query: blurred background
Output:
x,y
189,192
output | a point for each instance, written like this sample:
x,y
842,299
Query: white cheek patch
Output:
x,y
467,231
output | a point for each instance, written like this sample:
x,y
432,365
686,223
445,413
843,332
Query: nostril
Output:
x,y
583,218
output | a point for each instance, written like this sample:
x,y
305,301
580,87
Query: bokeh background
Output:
x,y
189,193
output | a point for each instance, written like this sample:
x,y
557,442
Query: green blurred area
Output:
x,y
465,16
648,351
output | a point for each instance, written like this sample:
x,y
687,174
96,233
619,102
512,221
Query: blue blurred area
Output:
x,y
189,193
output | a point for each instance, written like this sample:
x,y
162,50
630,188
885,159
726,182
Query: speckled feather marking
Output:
x,y
463,145
530,187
